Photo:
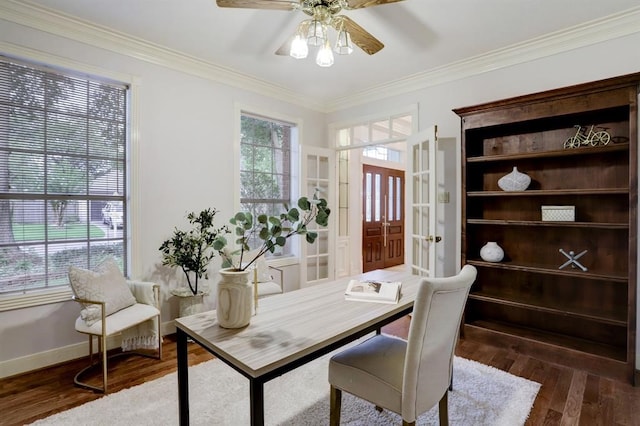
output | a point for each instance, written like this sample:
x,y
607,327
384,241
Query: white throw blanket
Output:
x,y
145,334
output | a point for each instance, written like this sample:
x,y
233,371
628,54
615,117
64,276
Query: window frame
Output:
x,y
43,60
292,249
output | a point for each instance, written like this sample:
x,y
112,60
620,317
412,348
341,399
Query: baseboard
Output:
x,y
66,353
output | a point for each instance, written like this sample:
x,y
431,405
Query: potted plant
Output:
x,y
192,251
234,290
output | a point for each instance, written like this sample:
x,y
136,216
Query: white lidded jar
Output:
x,y
491,252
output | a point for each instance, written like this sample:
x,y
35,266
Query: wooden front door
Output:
x,y
383,218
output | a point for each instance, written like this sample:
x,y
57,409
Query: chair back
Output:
x,y
433,334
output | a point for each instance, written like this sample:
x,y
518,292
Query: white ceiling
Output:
x,y
419,35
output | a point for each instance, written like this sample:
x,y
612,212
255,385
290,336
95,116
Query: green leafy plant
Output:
x,y
274,231
193,250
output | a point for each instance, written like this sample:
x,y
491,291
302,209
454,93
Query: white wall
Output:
x,y
184,163
599,61
186,132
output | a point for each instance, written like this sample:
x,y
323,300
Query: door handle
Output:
x,y
384,222
431,238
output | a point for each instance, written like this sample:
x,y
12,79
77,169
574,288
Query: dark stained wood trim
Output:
x,y
568,91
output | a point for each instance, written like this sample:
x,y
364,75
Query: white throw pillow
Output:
x,y
105,284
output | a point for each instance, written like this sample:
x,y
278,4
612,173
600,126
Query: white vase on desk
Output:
x,y
235,298
491,252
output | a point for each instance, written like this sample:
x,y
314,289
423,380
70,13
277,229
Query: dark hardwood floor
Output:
x,y
567,397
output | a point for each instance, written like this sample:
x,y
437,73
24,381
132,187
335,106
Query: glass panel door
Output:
x,y
423,202
318,172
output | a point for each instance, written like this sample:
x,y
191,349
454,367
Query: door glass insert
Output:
x,y
377,198
367,197
390,215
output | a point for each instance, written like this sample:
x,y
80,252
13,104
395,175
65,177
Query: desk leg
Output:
x,y
183,377
256,390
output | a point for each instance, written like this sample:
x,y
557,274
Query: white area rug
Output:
x,y
482,395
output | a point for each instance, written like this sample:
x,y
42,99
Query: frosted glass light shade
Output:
x,y
299,48
316,34
343,43
325,56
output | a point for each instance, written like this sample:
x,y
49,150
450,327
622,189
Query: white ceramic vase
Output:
x,y
514,181
491,252
235,299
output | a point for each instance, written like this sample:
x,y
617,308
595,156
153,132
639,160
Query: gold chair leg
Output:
x,y
443,409
90,349
102,345
159,338
104,362
102,349
335,401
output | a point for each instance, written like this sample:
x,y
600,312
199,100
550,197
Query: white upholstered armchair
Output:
x,y
411,376
268,280
112,305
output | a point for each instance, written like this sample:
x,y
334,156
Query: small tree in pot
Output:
x,y
193,250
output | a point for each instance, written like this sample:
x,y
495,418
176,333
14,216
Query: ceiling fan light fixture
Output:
x,y
344,46
325,55
299,48
317,32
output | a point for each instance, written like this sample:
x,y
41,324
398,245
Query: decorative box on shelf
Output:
x,y
558,213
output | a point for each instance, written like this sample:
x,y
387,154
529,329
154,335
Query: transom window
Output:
x,y
379,139
63,192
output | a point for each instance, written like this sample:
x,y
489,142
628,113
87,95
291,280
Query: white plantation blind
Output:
x,y
63,141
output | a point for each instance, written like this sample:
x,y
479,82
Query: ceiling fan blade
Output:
x,y
359,36
359,4
259,4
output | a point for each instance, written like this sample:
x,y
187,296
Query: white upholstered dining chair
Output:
x,y
111,305
409,376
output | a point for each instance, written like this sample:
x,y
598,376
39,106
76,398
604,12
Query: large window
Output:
x,y
265,166
63,192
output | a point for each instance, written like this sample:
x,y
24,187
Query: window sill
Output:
x,y
35,298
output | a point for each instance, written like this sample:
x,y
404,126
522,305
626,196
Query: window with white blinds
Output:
x,y
63,188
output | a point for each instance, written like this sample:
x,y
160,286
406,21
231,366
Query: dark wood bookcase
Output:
x,y
586,319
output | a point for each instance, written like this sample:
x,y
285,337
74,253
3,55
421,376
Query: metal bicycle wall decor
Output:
x,y
590,138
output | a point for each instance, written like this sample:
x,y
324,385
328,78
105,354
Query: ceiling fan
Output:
x,y
313,32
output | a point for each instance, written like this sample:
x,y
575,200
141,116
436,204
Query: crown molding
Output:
x,y
608,28
59,24
592,32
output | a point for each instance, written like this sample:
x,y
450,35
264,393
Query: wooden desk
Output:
x,y
288,331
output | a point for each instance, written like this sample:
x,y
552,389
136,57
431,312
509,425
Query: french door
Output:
x,y
422,188
383,218
318,169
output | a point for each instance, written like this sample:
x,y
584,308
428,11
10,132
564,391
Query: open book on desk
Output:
x,y
373,291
